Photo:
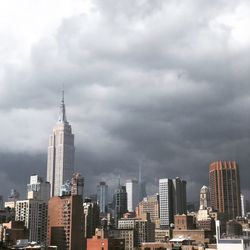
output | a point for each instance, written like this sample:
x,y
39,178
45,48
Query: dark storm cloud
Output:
x,y
156,83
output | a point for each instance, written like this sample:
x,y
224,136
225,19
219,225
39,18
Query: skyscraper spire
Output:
x,y
62,115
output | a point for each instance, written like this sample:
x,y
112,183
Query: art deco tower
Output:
x,y
61,150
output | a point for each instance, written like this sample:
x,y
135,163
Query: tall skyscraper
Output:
x,y
132,189
179,196
102,196
120,203
166,206
224,181
142,186
172,200
61,150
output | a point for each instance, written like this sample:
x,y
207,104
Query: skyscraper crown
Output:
x,y
62,114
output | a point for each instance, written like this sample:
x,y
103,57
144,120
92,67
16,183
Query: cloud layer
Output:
x,y
164,84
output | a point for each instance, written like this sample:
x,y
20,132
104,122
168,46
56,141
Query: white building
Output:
x,y
166,208
61,150
132,188
102,196
34,214
243,205
204,198
38,189
231,243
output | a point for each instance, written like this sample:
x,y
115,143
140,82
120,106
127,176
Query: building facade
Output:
x,y
102,196
38,189
224,182
61,150
66,222
34,214
132,188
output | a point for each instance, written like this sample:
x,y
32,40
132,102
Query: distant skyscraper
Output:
x,y
102,196
172,200
60,163
224,181
38,189
243,205
166,205
179,196
120,203
204,198
142,186
132,189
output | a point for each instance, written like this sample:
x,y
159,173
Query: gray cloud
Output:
x,y
164,84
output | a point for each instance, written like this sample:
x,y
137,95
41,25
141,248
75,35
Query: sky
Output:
x,y
161,84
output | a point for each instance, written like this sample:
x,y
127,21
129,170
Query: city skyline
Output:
x,y
143,95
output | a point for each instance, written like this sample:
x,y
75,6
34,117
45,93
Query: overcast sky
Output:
x,y
164,84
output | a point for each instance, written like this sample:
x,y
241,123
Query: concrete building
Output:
x,y
77,184
179,196
100,241
132,188
231,243
38,189
172,200
102,197
144,229
120,203
34,214
204,198
91,212
12,231
12,198
126,234
166,206
150,204
61,150
243,205
66,222
224,182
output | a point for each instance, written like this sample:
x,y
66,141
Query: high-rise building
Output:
x,y
150,205
132,189
204,198
142,185
91,212
120,203
172,200
166,206
38,189
34,214
179,196
34,210
12,198
224,182
102,196
60,162
77,184
66,222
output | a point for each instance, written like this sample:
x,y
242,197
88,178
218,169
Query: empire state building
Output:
x,y
61,150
